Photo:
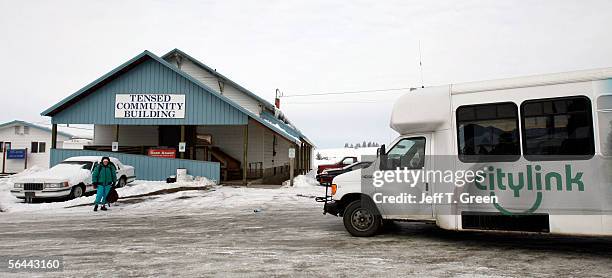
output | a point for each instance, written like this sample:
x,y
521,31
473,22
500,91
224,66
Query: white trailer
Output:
x,y
541,147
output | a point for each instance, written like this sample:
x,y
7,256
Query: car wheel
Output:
x,y
361,218
122,182
77,191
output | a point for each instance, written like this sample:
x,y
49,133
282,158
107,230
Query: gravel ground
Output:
x,y
282,240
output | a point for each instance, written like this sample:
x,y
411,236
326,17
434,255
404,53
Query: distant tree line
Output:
x,y
362,145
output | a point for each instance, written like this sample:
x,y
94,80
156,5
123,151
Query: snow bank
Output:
x,y
243,199
239,199
9,203
303,181
144,187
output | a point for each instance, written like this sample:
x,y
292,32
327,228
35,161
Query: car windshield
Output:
x,y
86,164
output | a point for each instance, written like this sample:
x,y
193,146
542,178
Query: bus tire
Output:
x,y
361,219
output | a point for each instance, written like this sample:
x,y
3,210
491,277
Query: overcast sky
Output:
x,y
50,49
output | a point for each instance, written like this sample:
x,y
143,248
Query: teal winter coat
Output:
x,y
104,175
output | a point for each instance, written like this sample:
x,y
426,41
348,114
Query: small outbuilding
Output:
x,y
173,111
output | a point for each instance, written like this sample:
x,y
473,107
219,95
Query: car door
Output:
x,y
410,153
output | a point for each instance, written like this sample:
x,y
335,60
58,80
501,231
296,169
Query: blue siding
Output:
x,y
150,76
148,168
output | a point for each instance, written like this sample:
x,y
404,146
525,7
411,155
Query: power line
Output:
x,y
347,92
336,102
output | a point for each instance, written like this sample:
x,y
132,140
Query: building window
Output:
x,y
26,130
553,128
1,147
38,147
488,132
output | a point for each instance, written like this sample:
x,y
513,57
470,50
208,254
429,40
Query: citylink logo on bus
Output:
x,y
533,178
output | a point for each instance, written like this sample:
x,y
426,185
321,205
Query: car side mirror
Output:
x,y
382,156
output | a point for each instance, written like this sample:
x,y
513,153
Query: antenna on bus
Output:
x,y
421,65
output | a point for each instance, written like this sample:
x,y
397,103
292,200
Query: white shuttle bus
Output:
x,y
528,154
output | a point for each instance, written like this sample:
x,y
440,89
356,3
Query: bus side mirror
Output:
x,y
382,156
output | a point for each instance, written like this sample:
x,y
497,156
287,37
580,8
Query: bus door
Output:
x,y
403,198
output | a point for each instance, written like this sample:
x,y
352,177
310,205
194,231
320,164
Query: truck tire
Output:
x,y
361,219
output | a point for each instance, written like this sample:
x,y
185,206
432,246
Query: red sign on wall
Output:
x,y
163,153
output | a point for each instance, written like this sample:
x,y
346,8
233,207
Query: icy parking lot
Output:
x,y
197,229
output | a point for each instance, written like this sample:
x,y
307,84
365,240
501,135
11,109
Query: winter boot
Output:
x,y
103,207
96,207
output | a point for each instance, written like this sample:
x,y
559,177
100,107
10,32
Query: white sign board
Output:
x,y
150,106
292,153
115,147
182,146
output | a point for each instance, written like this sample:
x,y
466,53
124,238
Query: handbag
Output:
x,y
112,196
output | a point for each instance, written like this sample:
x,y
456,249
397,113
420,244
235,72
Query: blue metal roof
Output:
x,y
18,122
274,124
284,127
217,74
279,126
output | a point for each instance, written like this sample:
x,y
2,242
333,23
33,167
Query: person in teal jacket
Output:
x,y
104,177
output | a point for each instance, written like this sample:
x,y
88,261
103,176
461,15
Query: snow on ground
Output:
x,y
334,155
304,181
197,195
192,195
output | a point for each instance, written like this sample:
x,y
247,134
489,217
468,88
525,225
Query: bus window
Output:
x,y
408,153
557,127
488,132
604,114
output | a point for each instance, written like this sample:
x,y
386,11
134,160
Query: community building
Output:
x,y
163,113
25,145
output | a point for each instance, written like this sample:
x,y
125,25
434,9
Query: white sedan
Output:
x,y
70,178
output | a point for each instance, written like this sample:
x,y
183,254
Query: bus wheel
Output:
x,y
362,220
